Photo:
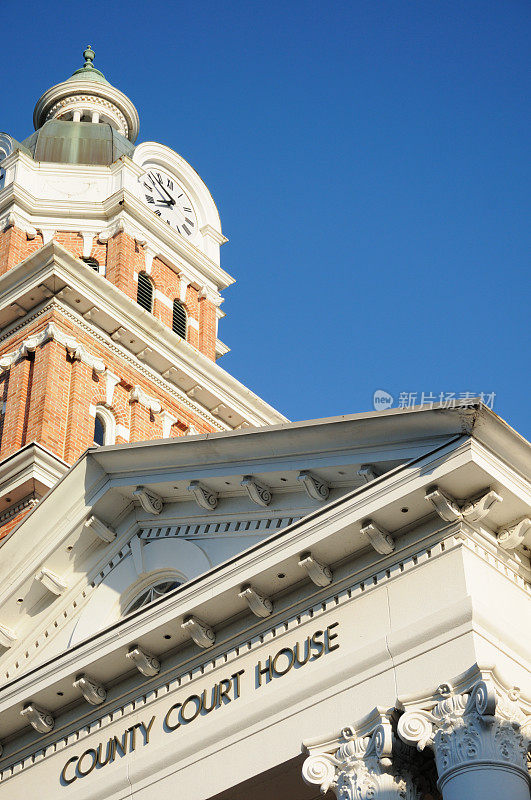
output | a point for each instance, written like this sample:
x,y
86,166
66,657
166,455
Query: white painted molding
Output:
x,y
149,500
319,573
381,540
258,492
315,487
88,240
216,236
184,283
446,506
145,663
137,554
168,421
47,234
209,294
111,381
51,581
473,509
7,636
367,472
199,631
39,718
149,254
512,536
138,395
52,333
260,605
101,529
93,691
204,497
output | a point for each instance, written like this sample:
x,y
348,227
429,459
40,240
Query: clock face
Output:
x,y
168,200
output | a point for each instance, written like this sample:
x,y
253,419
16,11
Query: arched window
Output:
x,y
104,427
179,319
144,295
152,593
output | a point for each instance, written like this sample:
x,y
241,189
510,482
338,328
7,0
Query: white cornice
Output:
x,y
54,262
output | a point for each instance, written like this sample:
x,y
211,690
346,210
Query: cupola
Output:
x,y
87,96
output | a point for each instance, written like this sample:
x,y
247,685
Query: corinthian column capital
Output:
x,y
482,729
362,763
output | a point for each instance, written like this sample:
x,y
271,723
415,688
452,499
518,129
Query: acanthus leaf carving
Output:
x,y
512,536
260,605
258,492
149,500
145,663
319,573
204,497
380,539
478,726
200,632
93,691
39,718
472,510
314,486
364,763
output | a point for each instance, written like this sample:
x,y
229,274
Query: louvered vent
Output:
x,y
93,263
179,319
144,296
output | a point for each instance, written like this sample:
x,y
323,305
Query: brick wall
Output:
x,y
124,259
49,396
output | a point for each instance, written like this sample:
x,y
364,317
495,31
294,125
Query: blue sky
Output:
x,y
370,163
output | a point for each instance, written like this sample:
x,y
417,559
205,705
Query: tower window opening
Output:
x,y
93,263
144,295
179,319
99,431
104,427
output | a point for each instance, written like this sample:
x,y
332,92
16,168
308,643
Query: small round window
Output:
x,y
152,593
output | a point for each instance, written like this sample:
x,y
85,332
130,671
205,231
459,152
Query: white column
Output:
x,y
479,739
367,764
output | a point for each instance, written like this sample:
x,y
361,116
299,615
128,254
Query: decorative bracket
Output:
x,y
478,507
381,540
319,573
93,692
260,606
7,636
145,663
101,529
39,718
257,491
367,472
445,505
201,633
149,500
51,581
316,488
471,510
138,395
512,536
204,496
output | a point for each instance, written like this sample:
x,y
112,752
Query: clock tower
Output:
x,y
110,293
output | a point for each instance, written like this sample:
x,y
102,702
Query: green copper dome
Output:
x,y
88,71
66,142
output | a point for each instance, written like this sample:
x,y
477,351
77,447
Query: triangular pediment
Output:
x,y
126,518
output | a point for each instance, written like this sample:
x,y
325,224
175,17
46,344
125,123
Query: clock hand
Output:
x,y
159,183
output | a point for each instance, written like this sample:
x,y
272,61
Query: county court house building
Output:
x,y
199,598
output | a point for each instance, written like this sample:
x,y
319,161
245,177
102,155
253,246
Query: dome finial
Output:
x,y
88,55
